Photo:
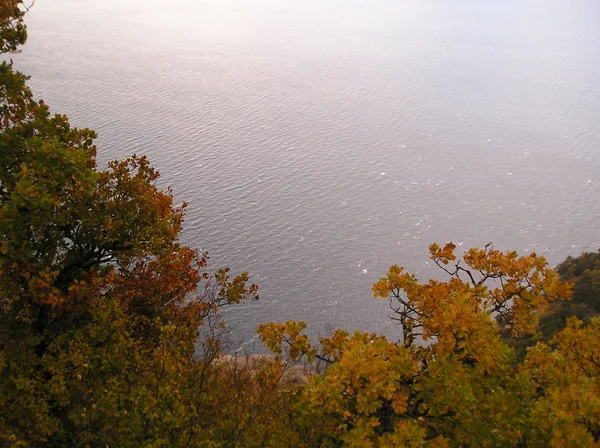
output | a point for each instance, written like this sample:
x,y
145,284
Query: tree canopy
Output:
x,y
584,273
100,303
452,380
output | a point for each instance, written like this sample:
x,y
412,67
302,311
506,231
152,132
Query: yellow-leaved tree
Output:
x,y
451,380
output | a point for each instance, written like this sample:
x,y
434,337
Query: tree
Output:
x,y
584,273
565,409
451,380
100,303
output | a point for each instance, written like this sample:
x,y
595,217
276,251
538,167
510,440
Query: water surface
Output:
x,y
318,142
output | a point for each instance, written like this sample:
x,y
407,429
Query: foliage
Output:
x,y
451,380
584,273
100,303
13,32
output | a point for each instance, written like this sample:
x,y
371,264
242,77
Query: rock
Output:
x,y
292,376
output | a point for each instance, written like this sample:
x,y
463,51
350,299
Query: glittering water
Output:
x,y
318,142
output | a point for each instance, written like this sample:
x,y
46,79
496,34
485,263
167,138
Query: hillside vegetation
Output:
x,y
584,273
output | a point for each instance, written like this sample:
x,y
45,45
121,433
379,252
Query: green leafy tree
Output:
x,y
100,303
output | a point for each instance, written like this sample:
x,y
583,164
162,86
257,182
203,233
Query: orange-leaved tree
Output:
x,y
100,303
451,380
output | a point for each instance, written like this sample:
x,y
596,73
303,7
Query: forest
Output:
x,y
111,332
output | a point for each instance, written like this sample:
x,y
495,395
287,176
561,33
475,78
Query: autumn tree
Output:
x,y
100,303
451,380
583,272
